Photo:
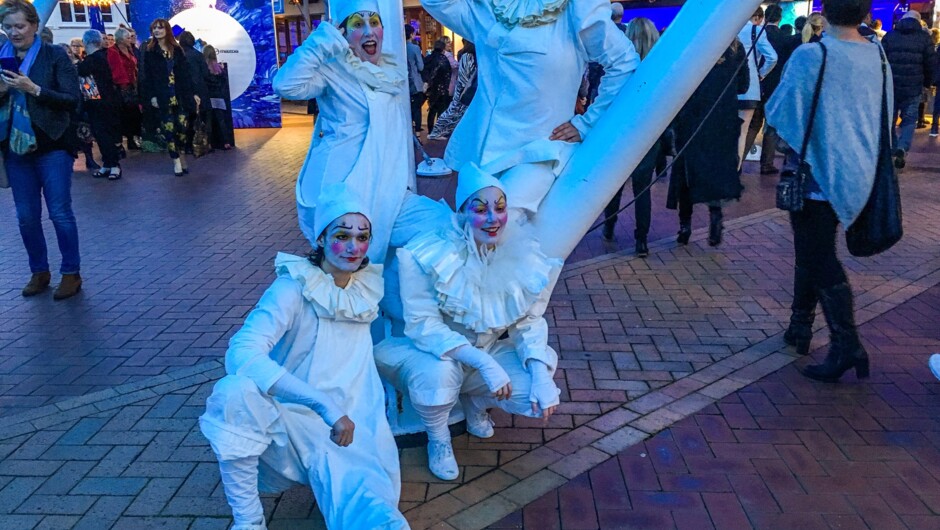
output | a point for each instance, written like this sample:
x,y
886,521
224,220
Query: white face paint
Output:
x,y
345,243
487,214
364,33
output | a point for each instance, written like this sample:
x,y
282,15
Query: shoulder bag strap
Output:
x,y
814,105
885,121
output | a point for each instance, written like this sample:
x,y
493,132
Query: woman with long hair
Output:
x,y
37,137
168,88
643,33
707,170
463,93
221,130
812,31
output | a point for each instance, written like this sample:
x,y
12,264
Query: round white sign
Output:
x,y
228,37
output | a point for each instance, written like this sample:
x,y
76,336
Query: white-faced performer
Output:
x,y
531,55
363,133
463,286
302,402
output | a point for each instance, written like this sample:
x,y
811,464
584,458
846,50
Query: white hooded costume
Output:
x,y
303,360
456,296
531,54
363,133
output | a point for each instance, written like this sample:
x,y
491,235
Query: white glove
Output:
x,y
493,374
544,391
292,390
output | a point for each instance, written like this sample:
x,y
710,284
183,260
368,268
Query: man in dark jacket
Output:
x,y
778,41
199,73
910,53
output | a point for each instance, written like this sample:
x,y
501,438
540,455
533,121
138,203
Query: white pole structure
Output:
x,y
646,105
45,9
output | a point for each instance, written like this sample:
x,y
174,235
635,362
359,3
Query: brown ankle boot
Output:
x,y
70,286
37,284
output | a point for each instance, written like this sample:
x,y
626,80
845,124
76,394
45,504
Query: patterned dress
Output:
x,y
174,121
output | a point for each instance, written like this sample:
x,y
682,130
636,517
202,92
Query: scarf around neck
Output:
x,y
15,125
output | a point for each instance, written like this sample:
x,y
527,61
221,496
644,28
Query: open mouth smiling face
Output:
x,y
364,33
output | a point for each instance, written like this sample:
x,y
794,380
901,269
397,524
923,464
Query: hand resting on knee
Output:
x,y
497,380
292,390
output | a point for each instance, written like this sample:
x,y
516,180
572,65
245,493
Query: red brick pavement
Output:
x,y
785,452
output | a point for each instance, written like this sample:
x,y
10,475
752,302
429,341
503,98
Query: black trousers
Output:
x,y
417,100
814,242
106,126
640,179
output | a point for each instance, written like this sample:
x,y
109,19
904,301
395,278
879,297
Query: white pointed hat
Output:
x,y
343,8
335,201
472,179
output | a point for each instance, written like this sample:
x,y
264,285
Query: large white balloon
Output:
x,y
229,39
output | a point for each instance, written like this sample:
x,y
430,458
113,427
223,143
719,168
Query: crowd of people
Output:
x,y
466,289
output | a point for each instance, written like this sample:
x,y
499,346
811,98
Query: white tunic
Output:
x,y
307,326
453,296
362,135
528,77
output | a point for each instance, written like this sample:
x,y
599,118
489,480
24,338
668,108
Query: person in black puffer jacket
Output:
x,y
910,53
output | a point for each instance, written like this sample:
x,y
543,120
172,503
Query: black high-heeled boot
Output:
x,y
715,225
845,349
685,231
800,332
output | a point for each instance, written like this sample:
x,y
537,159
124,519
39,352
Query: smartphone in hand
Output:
x,y
9,63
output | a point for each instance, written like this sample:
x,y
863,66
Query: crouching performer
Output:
x,y
302,402
463,287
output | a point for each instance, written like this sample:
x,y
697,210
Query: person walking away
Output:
x,y
761,59
415,81
854,83
221,129
911,54
708,169
437,77
463,93
123,62
199,74
778,41
103,103
813,29
168,88
642,32
37,138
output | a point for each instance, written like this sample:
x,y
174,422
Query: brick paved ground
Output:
x,y
644,344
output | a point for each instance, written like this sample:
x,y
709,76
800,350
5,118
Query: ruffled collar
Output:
x,y
381,78
527,13
485,291
358,301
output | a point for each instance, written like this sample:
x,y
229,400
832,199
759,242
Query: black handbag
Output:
x,y
792,185
878,227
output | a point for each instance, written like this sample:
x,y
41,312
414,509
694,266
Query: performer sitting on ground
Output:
x,y
463,286
363,133
531,55
301,381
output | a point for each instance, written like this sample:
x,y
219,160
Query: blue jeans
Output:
x,y
904,134
33,177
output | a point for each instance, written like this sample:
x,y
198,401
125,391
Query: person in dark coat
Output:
x,y
437,75
707,171
910,53
221,130
934,131
104,109
166,85
38,99
199,73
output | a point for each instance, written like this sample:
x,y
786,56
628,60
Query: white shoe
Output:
x,y
441,460
249,527
479,423
934,364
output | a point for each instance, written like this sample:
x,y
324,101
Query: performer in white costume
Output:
x,y
531,54
463,286
363,133
302,402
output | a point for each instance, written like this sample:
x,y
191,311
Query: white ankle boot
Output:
x,y
441,460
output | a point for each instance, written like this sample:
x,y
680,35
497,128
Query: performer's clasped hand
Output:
x,y
342,432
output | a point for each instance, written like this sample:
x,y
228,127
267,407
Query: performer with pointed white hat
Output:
x,y
463,286
363,133
302,402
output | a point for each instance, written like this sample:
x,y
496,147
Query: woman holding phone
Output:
x,y
39,92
